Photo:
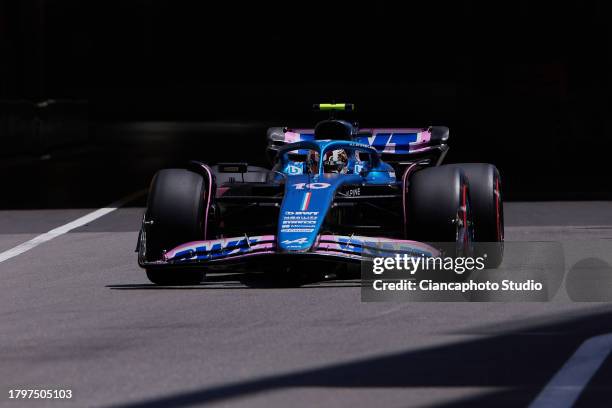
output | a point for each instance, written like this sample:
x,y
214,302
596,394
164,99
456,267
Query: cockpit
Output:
x,y
335,161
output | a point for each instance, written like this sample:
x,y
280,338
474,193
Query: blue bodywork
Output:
x,y
310,192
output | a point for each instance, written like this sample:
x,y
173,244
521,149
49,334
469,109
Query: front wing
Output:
x,y
245,249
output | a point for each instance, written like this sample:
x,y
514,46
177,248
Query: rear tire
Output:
x,y
176,214
488,210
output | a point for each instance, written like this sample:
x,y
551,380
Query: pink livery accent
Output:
x,y
208,197
407,172
292,137
422,142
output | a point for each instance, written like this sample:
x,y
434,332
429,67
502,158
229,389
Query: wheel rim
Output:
x,y
465,226
499,216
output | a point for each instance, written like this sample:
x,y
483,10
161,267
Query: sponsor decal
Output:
x,y
311,186
354,192
293,169
301,241
354,144
215,249
299,221
305,201
392,142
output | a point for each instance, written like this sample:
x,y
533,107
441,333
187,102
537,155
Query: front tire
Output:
x,y
176,209
439,208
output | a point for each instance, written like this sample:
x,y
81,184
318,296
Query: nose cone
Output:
x,y
304,208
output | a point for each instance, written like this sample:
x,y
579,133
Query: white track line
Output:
x,y
565,387
56,232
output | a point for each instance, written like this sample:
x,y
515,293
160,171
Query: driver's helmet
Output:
x,y
336,161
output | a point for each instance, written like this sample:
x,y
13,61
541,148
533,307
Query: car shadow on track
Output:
x,y
514,364
250,281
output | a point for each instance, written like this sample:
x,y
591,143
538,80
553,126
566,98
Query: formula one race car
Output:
x,y
335,194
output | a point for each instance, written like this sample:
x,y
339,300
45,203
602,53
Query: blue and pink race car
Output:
x,y
334,195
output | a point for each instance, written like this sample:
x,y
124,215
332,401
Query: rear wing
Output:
x,y
396,145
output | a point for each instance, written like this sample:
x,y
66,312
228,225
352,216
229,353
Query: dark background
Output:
x,y
139,84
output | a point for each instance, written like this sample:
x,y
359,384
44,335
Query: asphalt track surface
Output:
x,y
77,313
